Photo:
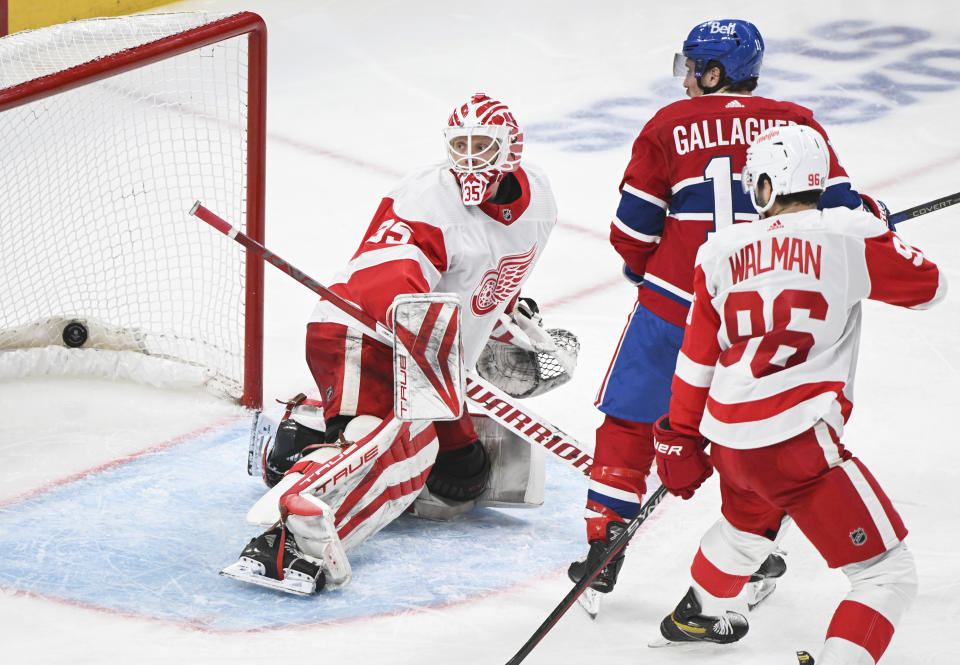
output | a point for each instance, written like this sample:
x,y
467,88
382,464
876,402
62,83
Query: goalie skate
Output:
x,y
258,565
262,432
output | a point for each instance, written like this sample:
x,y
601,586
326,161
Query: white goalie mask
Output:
x,y
482,141
795,159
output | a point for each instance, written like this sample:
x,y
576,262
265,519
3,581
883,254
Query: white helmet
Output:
x,y
482,141
794,157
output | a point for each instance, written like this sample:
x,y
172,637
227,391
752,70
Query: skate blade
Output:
x,y
759,591
685,646
244,573
590,601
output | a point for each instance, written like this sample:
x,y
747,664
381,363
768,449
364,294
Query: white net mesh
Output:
x,y
97,183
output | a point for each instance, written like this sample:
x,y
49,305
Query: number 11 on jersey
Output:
x,y
720,172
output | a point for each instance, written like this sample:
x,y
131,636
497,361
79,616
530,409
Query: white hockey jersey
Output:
x,y
423,239
771,344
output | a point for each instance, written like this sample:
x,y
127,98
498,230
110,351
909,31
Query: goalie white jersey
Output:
x,y
423,239
771,343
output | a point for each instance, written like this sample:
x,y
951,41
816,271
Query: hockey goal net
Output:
x,y
111,129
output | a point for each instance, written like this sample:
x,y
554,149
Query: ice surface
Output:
x,y
155,531
118,504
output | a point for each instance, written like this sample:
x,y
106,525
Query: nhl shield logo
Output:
x,y
507,215
859,537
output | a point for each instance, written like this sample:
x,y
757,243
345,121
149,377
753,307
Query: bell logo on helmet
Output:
x,y
723,29
734,43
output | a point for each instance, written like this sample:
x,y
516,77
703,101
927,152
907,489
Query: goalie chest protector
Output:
x,y
483,254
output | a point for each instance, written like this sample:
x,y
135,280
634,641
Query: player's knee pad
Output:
x,y
460,474
887,583
737,552
623,478
626,443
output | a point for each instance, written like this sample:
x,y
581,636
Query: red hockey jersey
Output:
x,y
683,183
771,345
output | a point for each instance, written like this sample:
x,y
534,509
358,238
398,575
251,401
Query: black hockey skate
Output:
x,y
763,582
606,579
803,658
258,565
687,624
291,441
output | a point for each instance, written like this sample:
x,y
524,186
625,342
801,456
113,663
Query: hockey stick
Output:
x,y
613,548
494,402
924,208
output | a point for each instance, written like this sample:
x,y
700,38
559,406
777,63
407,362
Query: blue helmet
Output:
x,y
735,44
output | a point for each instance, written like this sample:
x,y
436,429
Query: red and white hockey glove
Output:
x,y
682,463
878,209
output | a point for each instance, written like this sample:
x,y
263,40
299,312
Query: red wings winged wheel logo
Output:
x,y
499,284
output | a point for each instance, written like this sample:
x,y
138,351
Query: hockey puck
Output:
x,y
75,334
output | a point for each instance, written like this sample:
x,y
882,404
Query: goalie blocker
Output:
x,y
428,378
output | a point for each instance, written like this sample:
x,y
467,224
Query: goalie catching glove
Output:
x,y
524,359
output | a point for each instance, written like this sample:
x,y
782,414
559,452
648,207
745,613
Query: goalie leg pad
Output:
x,y
518,469
429,506
460,474
266,510
517,476
310,520
369,484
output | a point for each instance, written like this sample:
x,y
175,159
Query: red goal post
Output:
x,y
110,129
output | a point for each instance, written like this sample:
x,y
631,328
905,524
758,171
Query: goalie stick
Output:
x,y
925,208
487,397
613,548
